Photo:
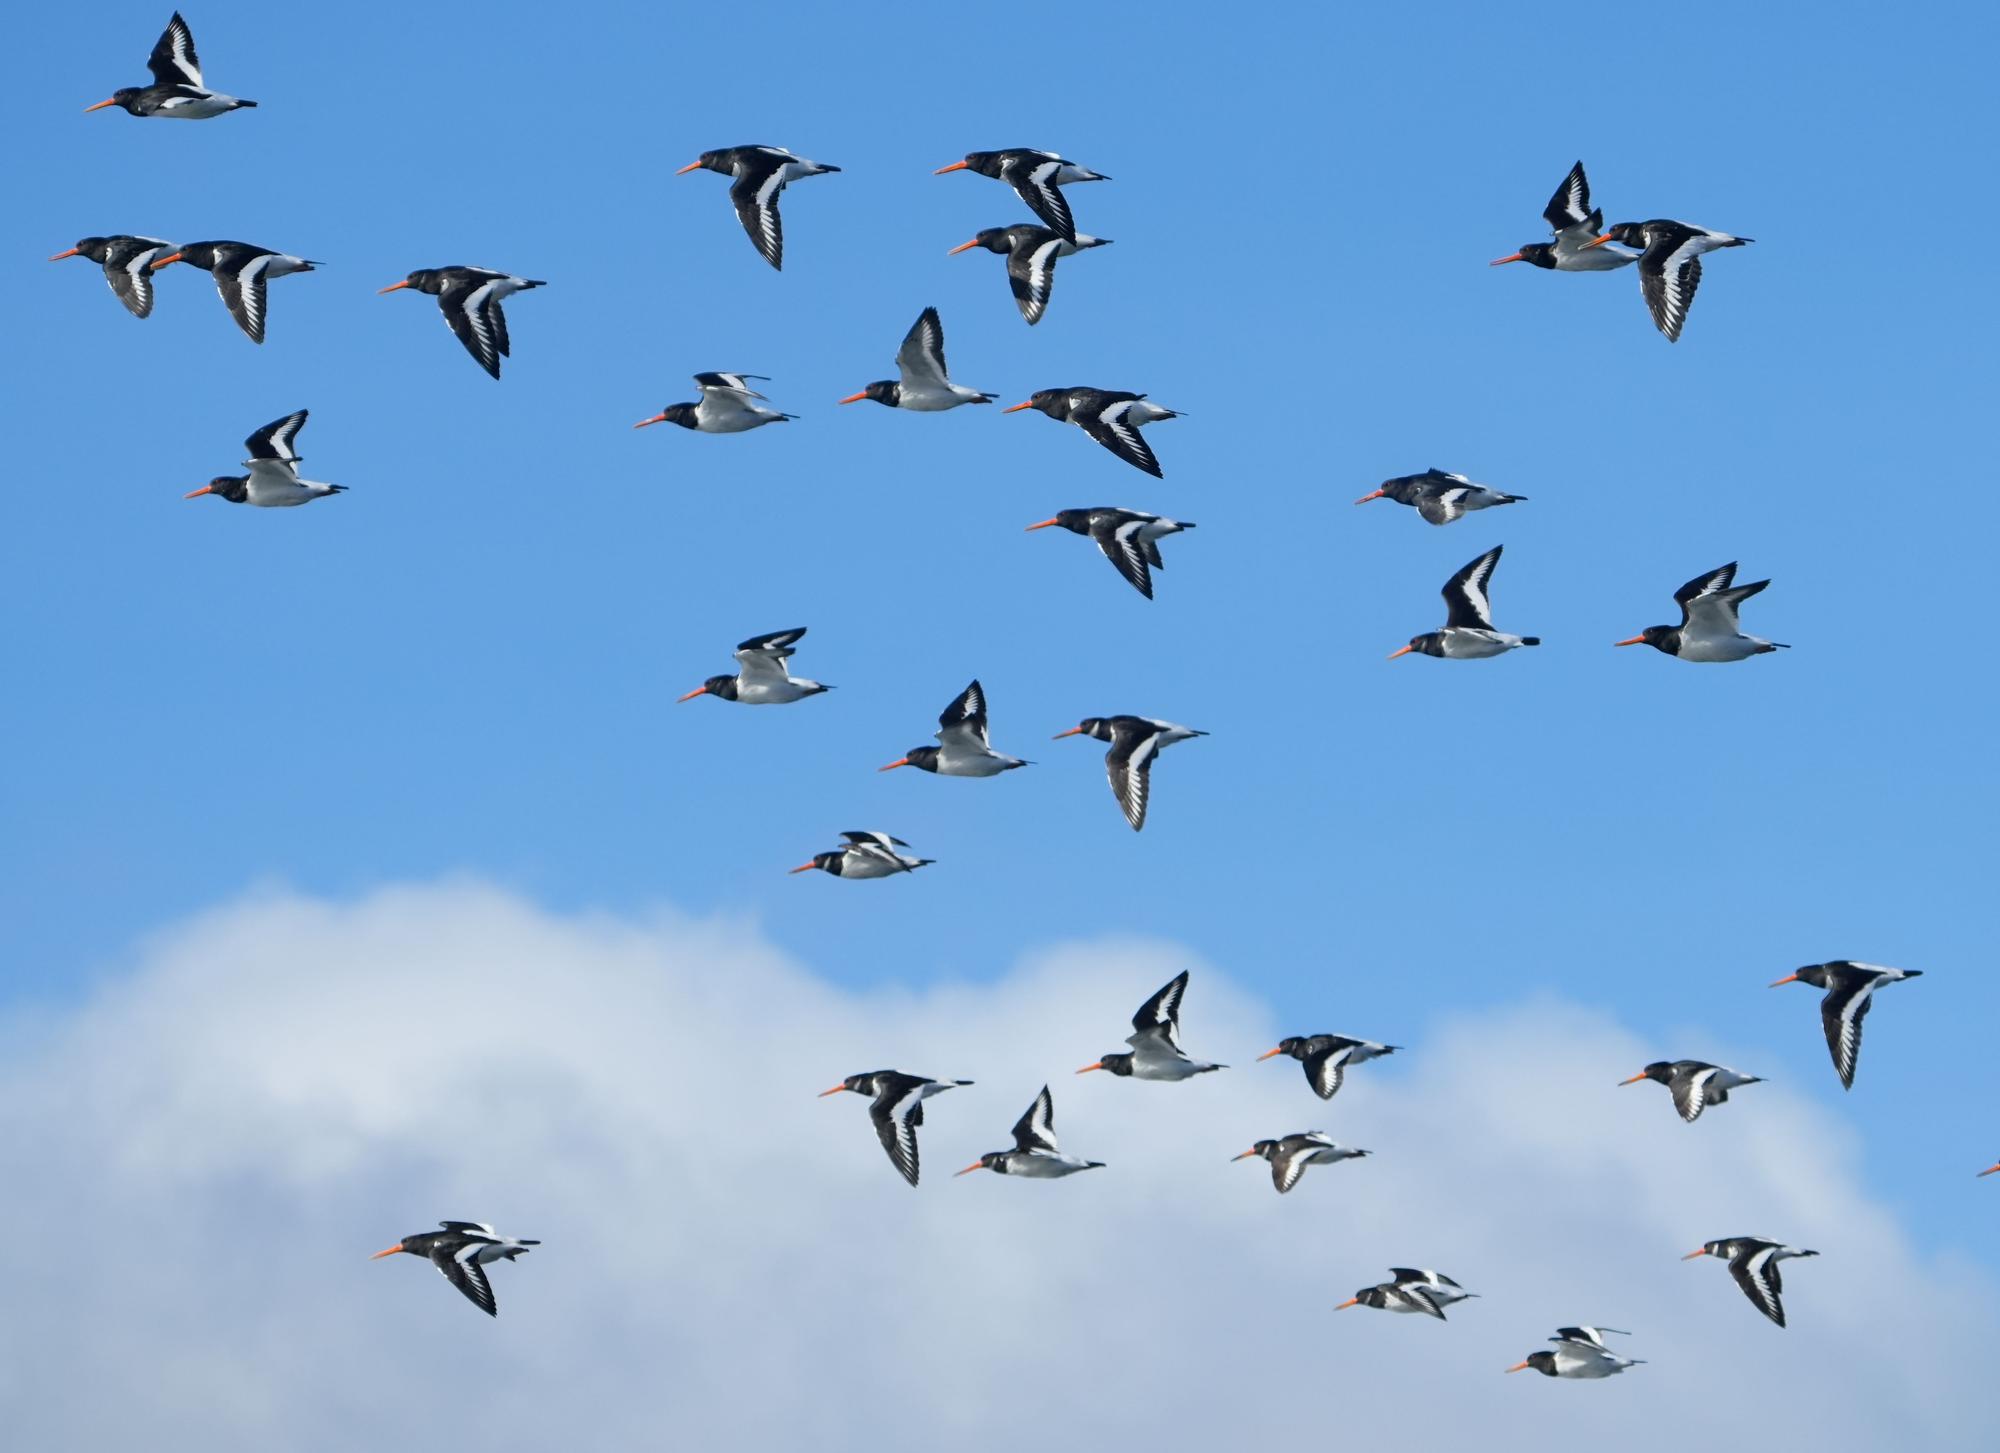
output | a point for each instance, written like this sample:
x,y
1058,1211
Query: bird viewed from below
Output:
x,y
1156,1041
241,271
924,385
1850,992
1579,1353
1326,1057
177,93
1669,265
728,405
759,173
897,1108
128,267
273,480
1411,1289
1111,417
1130,539
1031,254
962,749
866,855
470,298
1576,225
1135,742
1034,1155
462,1251
1439,497
1753,1261
1038,176
1468,633
1291,1154
1695,1084
762,678
1708,630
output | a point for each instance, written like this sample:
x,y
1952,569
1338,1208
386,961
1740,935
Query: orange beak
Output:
x,y
1600,242
390,1252
1073,731
1635,1079
656,419
855,398
1515,257
957,166
1350,1302
1631,641
193,492
162,262
1788,979
61,255
834,1091
899,762
392,287
1041,525
1245,1156
691,166
100,105
1269,1052
1989,1170
1367,497
1519,1367
698,691
961,246
1018,407
976,1165
1404,652
1088,1068
1698,1251
805,868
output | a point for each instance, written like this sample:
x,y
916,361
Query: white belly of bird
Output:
x,y
1467,643
269,495
1721,648
1042,1167
774,693
986,764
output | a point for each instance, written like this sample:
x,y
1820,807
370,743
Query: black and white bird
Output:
x,y
1696,1084
866,855
1670,265
897,1109
1034,1154
1708,630
962,749
1326,1058
1156,1041
1850,991
1038,176
1031,254
177,92
1579,1352
1110,416
241,272
1753,1261
128,266
762,678
470,298
1291,1154
924,384
273,480
1440,497
759,173
1468,633
1135,742
1130,539
1411,1289
728,405
462,1251
1576,225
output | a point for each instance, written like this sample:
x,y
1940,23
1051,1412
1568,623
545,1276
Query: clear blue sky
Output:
x,y
469,663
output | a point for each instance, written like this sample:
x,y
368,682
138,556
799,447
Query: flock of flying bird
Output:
x,y
1668,255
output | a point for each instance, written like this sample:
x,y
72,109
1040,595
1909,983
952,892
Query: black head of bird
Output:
x,y
1542,1362
1292,1044
711,160
993,239
1660,638
828,862
986,163
1660,1069
993,1160
1077,522
883,391
1264,1148
1632,234
1430,643
424,280
94,248
722,686
1117,1064
1090,726
1540,254
858,1084
1052,401
924,759
682,414
233,487
126,96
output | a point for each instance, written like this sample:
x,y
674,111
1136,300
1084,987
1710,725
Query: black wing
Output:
x,y
1034,179
473,323
1840,1014
1714,580
755,197
242,291
1106,422
1163,1010
468,1276
1118,539
1571,203
778,643
278,440
1757,1273
173,61
1325,1069
1465,593
1031,273
897,1113
968,710
1036,1129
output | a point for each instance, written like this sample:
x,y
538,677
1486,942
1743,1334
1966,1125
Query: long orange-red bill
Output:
x,y
162,262
1269,1052
1989,1170
1404,652
1018,407
1631,641
956,166
61,255
391,1251
803,868
976,1165
1245,1156
688,168
1073,731
393,286
1367,497
656,419
961,247
855,398
834,1091
1350,1302
1599,243
100,105
1635,1079
1514,257
1519,1367
1788,979
1088,1068
193,492
1698,1251
899,762
1042,524
698,691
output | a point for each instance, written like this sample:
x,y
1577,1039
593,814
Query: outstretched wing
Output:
x,y
921,358
1757,1274
1036,1129
1840,1014
467,1275
277,440
1325,1069
755,196
242,292
965,719
1465,593
1035,179
1571,203
1031,273
1128,554
1112,427
874,839
1161,1014
173,61
1669,273
763,657
897,1114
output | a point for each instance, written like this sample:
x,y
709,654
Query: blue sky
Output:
x,y
468,664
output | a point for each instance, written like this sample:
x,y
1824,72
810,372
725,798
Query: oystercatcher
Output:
x,y
1412,1289
1291,1154
897,1110
1440,497
1753,1261
241,271
962,749
1850,991
1031,254
1326,1057
1695,1084
461,1251
1156,1041
728,405
760,173
1130,539
1037,175
1579,1352
925,384
1670,266
1110,416
1135,742
1034,1154
1708,630
1576,224
762,678
273,480
177,92
1468,633
128,266
470,298
866,855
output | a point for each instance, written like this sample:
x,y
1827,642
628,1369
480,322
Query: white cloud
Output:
x,y
198,1161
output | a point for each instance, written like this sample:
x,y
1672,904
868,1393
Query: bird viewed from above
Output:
x,y
414,855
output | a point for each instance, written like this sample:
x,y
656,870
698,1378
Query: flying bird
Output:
x,y
762,678
924,384
1038,176
1034,1154
470,298
962,749
1031,254
462,1251
273,480
1579,1352
866,855
1135,742
1130,539
1468,633
127,263
1753,1261
1695,1084
728,405
1291,1154
1110,416
1439,497
1156,1041
759,173
241,272
1670,265
1708,630
1576,224
1850,990
897,1110
1411,1289
177,92
1327,1057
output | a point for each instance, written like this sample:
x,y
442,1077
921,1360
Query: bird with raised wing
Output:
x,y
273,480
461,1252
1031,254
923,384
897,1110
758,174
470,298
1038,176
128,266
1439,497
1753,1261
1696,1084
1156,1052
1708,630
1850,993
1110,416
1291,1154
962,749
728,405
1576,224
1034,1155
1579,1353
241,271
866,855
762,678
1130,539
177,92
1326,1058
1468,633
1411,1289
